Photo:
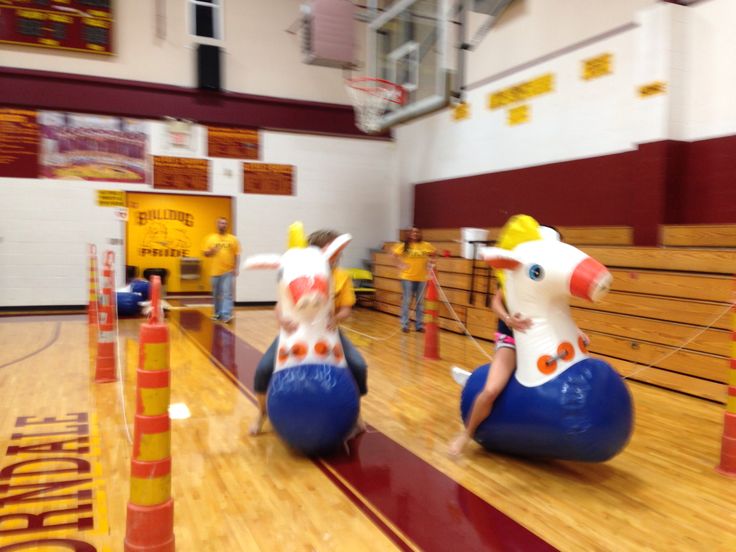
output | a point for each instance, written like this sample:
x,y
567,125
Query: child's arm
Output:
x,y
517,322
340,314
289,326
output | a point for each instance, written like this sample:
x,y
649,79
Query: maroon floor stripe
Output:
x,y
403,494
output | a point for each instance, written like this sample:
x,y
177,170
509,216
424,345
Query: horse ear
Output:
x,y
266,261
499,258
337,245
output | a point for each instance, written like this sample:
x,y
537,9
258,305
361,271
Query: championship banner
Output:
x,y
76,25
233,143
181,173
268,178
93,147
19,143
169,231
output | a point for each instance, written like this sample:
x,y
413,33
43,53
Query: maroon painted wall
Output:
x,y
66,92
666,182
708,189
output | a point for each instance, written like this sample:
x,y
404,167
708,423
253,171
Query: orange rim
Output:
x,y
379,87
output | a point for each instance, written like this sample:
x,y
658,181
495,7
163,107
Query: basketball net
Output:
x,y
370,98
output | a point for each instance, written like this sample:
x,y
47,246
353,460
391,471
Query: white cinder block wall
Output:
x,y
688,48
342,183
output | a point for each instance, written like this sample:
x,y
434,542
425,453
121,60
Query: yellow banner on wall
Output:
x,y
110,198
522,91
168,231
597,67
519,114
652,89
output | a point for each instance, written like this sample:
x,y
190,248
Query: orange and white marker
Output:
x,y
150,521
106,363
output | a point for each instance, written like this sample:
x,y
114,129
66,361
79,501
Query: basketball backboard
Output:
x,y
409,43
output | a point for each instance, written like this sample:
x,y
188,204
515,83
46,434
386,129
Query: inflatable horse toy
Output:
x,y
560,403
312,400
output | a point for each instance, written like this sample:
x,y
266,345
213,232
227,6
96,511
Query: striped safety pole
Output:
x,y
92,309
150,520
431,319
106,364
92,306
728,442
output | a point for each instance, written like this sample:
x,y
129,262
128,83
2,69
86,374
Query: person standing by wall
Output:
x,y
412,258
224,250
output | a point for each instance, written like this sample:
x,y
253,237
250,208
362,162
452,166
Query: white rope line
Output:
x,y
368,336
684,344
121,370
457,319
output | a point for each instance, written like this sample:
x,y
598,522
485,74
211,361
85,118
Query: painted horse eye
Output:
x,y
536,272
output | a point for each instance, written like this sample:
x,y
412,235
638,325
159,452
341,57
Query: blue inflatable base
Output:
x,y
584,414
313,407
128,303
142,287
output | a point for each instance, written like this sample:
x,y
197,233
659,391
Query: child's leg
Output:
x,y
264,371
498,376
359,369
356,364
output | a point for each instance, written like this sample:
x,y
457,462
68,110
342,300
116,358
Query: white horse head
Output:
x,y
305,291
541,274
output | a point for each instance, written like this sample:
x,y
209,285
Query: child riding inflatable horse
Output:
x,y
560,402
313,400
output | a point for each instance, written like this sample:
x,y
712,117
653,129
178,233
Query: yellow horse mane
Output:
x,y
517,230
297,236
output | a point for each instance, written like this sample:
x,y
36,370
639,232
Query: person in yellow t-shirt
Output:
x,y
412,258
224,250
344,299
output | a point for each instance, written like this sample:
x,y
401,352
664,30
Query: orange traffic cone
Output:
x,y
728,442
150,520
106,364
92,307
431,320
92,310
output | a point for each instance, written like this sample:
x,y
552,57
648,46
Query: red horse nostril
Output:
x,y
307,284
589,280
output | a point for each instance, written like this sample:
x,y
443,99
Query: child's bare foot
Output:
x,y
458,444
358,428
256,428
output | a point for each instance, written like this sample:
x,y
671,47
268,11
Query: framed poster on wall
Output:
x,y
76,25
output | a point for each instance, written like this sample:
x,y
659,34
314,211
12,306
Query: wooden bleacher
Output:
x,y
661,302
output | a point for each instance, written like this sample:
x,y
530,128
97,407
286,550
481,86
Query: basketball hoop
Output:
x,y
371,97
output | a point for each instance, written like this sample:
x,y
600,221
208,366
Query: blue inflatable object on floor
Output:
x,y
584,414
141,286
313,407
128,303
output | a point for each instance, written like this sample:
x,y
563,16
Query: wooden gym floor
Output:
x,y
395,489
